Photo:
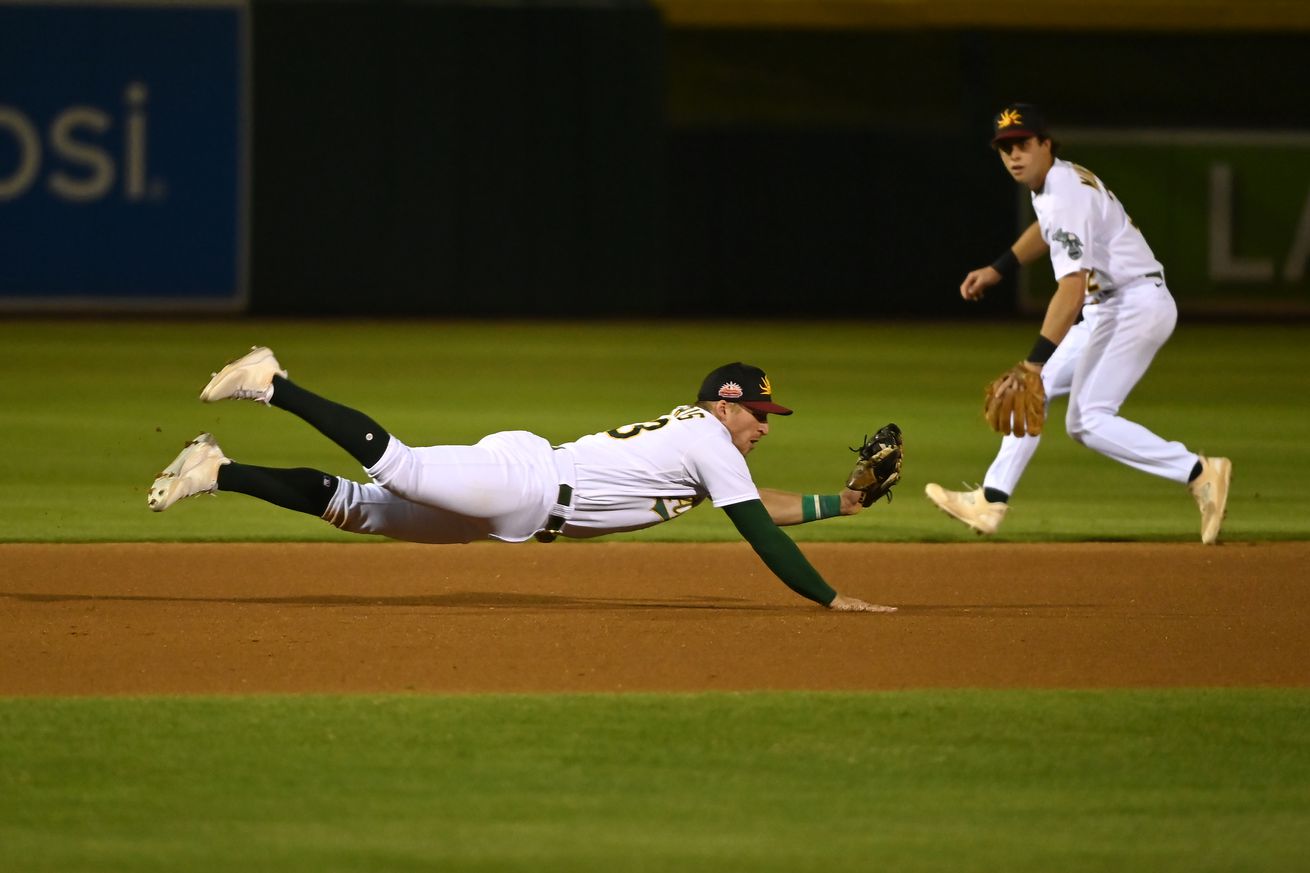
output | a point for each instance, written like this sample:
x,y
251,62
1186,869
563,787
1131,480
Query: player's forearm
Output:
x,y
1062,311
784,507
778,552
1027,248
788,507
1030,246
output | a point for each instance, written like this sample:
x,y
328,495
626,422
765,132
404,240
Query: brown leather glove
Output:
x,y
1015,402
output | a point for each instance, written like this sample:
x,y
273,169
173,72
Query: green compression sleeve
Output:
x,y
778,552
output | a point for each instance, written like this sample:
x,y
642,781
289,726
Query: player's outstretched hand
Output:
x,y
852,502
842,603
975,284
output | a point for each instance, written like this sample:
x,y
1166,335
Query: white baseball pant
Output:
x,y
501,488
1098,364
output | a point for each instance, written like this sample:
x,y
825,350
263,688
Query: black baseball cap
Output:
x,y
744,384
1018,121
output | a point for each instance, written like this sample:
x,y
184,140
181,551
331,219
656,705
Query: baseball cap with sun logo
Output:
x,y
744,384
1018,121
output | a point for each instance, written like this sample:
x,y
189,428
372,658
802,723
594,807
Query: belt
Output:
x,y
563,508
1110,292
1140,279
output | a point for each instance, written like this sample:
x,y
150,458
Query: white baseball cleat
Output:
x,y
1211,492
249,377
970,507
194,471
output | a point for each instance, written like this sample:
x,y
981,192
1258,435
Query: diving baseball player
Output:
x,y
514,486
1106,270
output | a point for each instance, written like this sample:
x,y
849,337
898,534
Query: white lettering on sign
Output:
x,y
18,126
97,164
1224,265
1227,267
1294,267
78,150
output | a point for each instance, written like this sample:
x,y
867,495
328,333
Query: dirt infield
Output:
x,y
242,618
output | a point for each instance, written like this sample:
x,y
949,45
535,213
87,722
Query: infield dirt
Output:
x,y
254,618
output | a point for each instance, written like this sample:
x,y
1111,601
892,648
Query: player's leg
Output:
x,y
203,468
508,479
1132,326
351,429
372,509
258,376
1012,458
301,489
984,508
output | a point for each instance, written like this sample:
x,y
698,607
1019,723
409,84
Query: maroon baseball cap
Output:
x,y
744,384
1018,121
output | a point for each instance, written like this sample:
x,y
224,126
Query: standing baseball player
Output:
x,y
1106,271
514,486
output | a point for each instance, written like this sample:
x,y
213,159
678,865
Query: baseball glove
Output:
x,y
879,464
1015,402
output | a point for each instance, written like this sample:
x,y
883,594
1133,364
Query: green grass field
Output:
x,y
964,781
967,780
93,410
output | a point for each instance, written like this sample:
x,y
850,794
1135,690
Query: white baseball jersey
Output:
x,y
503,487
1087,229
639,475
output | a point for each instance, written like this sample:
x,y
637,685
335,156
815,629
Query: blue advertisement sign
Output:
x,y
123,150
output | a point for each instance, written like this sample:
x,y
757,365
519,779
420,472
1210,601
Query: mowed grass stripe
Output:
x,y
961,781
93,410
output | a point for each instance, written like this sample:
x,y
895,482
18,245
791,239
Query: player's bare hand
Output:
x,y
975,284
842,603
1007,384
1009,381
852,502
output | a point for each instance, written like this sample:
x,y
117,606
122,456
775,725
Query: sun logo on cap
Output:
x,y
730,391
1008,118
765,388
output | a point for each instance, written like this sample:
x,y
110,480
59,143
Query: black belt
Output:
x,y
555,522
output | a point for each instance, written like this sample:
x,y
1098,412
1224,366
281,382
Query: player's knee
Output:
x,y
1083,424
1078,425
397,470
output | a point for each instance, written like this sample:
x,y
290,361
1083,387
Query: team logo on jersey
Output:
x,y
1072,244
1009,118
730,391
765,388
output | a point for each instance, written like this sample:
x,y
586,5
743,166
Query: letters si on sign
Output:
x,y
123,150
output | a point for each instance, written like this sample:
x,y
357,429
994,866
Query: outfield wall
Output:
x,y
789,158
850,167
457,157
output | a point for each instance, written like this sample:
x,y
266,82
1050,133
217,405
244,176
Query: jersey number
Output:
x,y
628,431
